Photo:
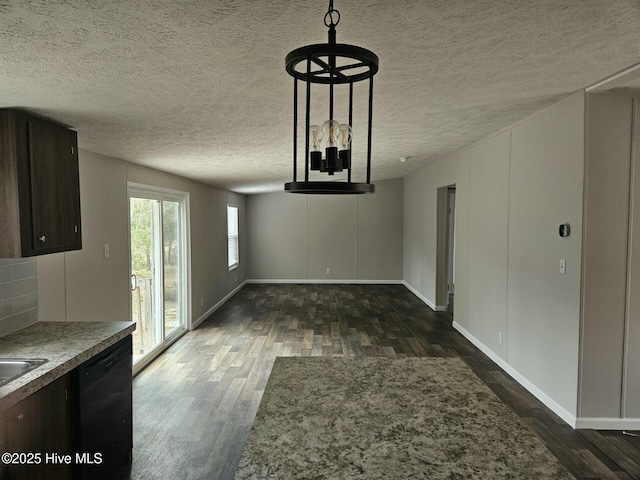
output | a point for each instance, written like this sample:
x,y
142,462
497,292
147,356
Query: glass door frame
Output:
x,y
139,190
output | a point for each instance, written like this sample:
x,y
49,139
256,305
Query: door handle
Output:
x,y
134,282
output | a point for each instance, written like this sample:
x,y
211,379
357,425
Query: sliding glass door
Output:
x,y
158,237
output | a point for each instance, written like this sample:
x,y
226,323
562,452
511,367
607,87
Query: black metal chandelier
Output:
x,y
330,64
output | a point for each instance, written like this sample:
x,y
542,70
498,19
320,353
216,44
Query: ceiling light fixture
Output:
x,y
330,64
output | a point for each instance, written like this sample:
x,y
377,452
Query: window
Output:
x,y
232,236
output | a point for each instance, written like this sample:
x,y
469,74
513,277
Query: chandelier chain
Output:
x,y
332,17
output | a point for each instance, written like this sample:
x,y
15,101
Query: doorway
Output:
x,y
446,246
159,266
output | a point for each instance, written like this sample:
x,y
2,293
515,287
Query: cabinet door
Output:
x,y
55,193
41,423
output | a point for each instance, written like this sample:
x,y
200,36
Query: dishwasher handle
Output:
x,y
114,355
111,358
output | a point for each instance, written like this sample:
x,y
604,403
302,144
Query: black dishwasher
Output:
x,y
103,415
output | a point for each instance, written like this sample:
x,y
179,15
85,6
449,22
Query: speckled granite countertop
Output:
x,y
388,418
65,344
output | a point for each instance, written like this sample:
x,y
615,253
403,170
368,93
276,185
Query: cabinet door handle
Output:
x,y
20,416
42,238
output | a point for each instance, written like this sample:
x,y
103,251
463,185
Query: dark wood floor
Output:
x,y
194,406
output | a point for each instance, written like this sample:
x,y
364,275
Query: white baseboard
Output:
x,y
431,305
324,280
608,423
206,314
564,414
518,377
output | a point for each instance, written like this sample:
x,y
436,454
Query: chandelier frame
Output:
x,y
330,64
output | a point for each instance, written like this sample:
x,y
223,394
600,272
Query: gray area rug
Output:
x,y
332,418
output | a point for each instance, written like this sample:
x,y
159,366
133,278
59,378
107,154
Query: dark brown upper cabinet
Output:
x,y
39,186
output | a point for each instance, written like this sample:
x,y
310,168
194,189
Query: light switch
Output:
x,y
563,266
106,250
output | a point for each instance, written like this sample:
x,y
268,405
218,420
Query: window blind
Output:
x,y
232,235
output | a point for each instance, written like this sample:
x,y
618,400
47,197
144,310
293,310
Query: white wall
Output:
x,y
331,237
606,258
420,232
488,240
379,232
84,286
631,372
513,190
546,189
299,237
277,236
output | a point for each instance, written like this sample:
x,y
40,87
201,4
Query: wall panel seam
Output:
x,y
357,249
583,254
632,173
506,327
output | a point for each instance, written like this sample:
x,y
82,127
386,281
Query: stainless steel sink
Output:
x,y
12,368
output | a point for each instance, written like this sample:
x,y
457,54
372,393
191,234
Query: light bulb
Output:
x,y
344,141
344,136
330,130
315,138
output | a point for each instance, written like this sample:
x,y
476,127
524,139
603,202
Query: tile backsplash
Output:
x,y
18,294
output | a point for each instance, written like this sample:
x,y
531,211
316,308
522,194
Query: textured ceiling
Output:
x,y
198,88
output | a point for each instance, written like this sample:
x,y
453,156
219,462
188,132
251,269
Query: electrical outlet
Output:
x,y
563,266
328,270
107,251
